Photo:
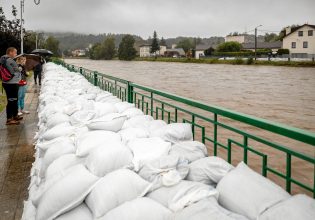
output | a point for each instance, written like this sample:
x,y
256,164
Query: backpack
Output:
x,y
5,74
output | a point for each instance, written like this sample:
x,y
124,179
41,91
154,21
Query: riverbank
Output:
x,y
232,62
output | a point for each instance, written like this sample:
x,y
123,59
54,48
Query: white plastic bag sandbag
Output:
x,y
147,149
174,132
82,212
132,133
138,209
114,189
208,170
296,207
122,106
82,117
29,211
103,160
110,122
164,171
66,193
139,121
56,119
191,150
102,109
132,112
92,139
245,192
182,194
60,130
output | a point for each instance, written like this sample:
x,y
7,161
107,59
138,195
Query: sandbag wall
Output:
x,y
100,158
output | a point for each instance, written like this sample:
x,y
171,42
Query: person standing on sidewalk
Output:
x,y
38,72
21,61
11,86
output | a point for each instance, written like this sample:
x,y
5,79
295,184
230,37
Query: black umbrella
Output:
x,y
43,52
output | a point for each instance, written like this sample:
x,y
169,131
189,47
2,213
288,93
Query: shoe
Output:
x,y
20,113
18,118
12,122
25,112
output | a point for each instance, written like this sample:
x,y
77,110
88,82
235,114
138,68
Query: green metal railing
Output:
x,y
263,143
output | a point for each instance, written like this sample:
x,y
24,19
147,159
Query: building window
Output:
x,y
293,45
300,33
305,44
310,33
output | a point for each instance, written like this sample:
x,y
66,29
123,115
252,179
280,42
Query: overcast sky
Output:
x,y
170,18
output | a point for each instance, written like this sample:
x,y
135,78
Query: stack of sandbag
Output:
x,y
100,158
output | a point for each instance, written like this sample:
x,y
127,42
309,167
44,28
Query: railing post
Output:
x,y
81,70
130,92
72,68
95,78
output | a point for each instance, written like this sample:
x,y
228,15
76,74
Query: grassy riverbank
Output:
x,y
233,62
2,98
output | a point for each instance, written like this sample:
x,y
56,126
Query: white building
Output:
x,y
300,40
146,48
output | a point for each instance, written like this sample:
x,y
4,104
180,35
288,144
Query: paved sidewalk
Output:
x,y
16,158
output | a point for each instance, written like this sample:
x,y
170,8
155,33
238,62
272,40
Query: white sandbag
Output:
x,y
138,209
110,122
102,109
191,150
60,130
132,133
54,152
204,210
92,139
247,193
123,106
56,119
174,132
147,149
71,108
139,121
114,189
82,117
208,170
82,212
103,160
132,112
45,145
62,163
299,207
183,194
156,125
29,211
66,193
103,95
164,171
89,96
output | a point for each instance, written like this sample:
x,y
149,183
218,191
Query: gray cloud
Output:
x,y
170,18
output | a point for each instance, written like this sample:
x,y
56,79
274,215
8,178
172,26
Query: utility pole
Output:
x,y
256,41
22,34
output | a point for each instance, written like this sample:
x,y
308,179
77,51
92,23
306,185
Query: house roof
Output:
x,y
178,50
263,45
202,47
297,28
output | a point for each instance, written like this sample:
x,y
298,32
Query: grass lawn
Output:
x,y
2,98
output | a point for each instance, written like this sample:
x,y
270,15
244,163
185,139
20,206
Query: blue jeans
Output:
x,y
21,96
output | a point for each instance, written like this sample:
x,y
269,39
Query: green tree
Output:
x,y
108,48
52,44
271,37
229,47
155,44
186,44
96,51
126,49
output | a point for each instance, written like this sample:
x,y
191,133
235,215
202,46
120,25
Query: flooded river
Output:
x,y
281,94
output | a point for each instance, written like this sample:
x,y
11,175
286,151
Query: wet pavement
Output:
x,y
16,158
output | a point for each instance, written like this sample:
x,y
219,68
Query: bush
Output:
x,y
250,61
234,54
229,47
282,51
126,49
238,61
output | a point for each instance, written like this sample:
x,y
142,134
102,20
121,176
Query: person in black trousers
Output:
x,y
11,87
38,72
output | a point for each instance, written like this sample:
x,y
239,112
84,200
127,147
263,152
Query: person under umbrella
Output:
x,y
38,72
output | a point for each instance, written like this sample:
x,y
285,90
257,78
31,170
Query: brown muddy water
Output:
x,y
280,94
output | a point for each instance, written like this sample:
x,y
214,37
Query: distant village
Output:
x,y
297,42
